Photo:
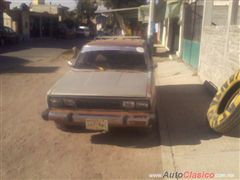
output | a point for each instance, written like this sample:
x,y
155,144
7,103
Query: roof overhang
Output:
x,y
141,13
115,10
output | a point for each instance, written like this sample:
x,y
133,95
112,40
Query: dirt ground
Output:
x,y
32,148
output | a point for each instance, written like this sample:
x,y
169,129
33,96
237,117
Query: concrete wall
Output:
x,y
51,9
1,19
219,15
8,22
1,14
37,2
217,60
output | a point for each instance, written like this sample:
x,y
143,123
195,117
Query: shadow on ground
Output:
x,y
162,54
123,137
18,65
182,117
182,113
45,43
127,138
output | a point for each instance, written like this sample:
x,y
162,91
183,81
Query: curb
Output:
x,y
168,162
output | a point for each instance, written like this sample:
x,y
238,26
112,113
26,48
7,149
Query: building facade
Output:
x,y
1,14
220,42
40,20
192,29
206,36
38,2
4,6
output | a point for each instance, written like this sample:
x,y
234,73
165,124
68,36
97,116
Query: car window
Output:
x,y
10,30
121,60
6,29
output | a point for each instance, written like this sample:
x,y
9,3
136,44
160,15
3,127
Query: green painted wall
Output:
x,y
191,51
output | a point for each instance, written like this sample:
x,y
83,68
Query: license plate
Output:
x,y
97,124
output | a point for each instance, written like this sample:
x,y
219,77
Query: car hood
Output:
x,y
102,83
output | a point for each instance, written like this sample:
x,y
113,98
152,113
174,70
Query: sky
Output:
x,y
69,3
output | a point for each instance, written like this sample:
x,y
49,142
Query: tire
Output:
x,y
45,115
224,111
69,128
2,42
152,127
146,131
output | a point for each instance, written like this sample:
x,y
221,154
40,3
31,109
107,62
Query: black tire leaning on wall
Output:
x,y
224,111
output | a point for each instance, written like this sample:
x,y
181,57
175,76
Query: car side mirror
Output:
x,y
74,49
154,66
70,63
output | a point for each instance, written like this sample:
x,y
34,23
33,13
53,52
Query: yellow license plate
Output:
x,y
97,124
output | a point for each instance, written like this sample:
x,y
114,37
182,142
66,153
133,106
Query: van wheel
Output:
x,y
224,111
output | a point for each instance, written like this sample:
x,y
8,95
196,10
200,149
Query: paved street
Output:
x,y
34,149
35,50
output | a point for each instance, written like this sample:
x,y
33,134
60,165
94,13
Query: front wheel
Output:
x,y
153,126
2,42
69,128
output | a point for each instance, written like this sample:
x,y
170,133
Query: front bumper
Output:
x,y
114,118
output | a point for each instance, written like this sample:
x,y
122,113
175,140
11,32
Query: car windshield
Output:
x,y
8,30
118,60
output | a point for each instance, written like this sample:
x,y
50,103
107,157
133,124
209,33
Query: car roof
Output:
x,y
117,44
122,42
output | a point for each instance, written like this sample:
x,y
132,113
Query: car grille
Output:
x,y
92,103
97,104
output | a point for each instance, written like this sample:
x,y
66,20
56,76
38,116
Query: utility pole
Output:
x,y
150,26
150,19
1,14
1,23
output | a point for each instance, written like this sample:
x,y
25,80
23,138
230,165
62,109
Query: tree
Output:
x,y
24,7
86,8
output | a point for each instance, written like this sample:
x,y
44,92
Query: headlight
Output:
x,y
128,104
55,102
69,102
142,105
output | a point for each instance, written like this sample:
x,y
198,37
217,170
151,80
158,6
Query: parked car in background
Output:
x,y
110,84
65,32
9,36
1,37
103,33
83,31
